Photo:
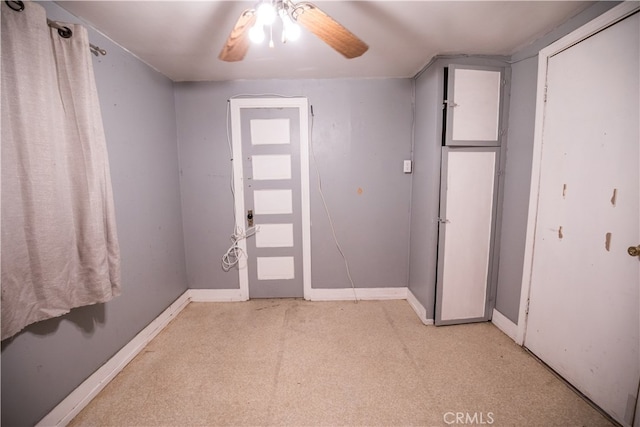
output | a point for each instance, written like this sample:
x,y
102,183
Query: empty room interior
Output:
x,y
331,213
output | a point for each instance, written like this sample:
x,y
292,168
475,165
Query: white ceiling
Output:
x,y
182,39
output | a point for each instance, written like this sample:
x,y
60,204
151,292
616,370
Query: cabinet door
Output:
x,y
467,219
472,106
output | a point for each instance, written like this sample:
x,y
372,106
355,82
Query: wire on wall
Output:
x,y
234,254
326,208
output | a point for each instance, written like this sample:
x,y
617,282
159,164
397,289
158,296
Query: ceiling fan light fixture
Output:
x,y
266,13
290,30
256,34
252,24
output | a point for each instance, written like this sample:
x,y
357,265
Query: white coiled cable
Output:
x,y
235,252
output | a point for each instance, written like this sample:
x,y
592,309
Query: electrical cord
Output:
x,y
233,255
326,209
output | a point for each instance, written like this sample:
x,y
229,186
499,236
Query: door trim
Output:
x,y
605,20
236,105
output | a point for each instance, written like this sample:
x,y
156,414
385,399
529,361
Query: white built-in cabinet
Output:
x,y
472,139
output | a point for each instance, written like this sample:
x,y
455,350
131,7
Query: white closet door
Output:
x,y
584,316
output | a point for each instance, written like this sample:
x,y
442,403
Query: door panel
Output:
x,y
270,145
466,229
584,312
271,165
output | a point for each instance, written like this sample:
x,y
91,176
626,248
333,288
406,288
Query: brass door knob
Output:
x,y
634,250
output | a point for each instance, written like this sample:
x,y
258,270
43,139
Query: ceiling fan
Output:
x,y
253,23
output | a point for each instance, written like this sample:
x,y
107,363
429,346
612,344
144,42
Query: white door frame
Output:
x,y
603,21
236,106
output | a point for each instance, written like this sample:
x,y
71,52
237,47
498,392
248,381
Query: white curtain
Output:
x,y
59,243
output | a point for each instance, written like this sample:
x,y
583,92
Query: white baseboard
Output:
x,y
78,399
64,412
215,295
418,308
504,324
348,294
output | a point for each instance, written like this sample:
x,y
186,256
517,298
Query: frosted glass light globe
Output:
x,y
266,14
256,34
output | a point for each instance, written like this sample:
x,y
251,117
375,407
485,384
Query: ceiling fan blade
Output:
x,y
328,30
237,44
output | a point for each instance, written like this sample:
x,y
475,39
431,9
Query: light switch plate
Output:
x,y
407,166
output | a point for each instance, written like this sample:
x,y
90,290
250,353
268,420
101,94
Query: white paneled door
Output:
x,y
270,138
584,317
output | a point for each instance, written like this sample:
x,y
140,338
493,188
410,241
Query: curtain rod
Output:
x,y
64,32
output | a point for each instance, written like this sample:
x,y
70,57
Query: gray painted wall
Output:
x,y
519,156
362,134
425,196
47,361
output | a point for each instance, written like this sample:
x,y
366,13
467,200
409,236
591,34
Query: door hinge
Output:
x,y
545,93
526,310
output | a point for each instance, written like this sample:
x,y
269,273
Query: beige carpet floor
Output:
x,y
297,363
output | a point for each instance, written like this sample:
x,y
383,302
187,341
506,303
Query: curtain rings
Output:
x,y
18,6
64,32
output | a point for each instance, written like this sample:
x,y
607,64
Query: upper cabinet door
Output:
x,y
472,106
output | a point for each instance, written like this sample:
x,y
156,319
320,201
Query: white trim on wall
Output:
x,y
348,294
324,294
76,401
601,22
418,308
216,295
504,324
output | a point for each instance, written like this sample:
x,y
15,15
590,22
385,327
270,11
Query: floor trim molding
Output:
x,y
418,308
348,294
215,295
79,398
66,410
504,324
